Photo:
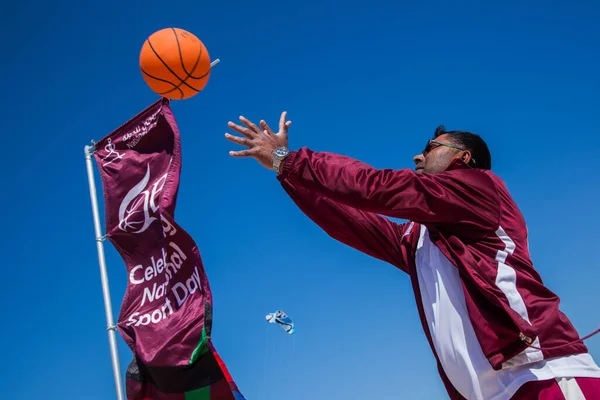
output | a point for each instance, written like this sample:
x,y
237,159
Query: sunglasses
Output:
x,y
434,144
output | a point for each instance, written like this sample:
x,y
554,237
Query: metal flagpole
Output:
x,y
111,328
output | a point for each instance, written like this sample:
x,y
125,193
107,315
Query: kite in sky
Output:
x,y
280,318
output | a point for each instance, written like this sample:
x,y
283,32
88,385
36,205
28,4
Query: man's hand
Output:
x,y
260,142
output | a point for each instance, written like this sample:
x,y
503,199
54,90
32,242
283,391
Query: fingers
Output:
x,y
282,121
254,138
284,132
250,131
284,125
243,153
250,125
238,140
241,129
266,128
259,141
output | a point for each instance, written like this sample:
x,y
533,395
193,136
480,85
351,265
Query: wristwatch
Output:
x,y
279,154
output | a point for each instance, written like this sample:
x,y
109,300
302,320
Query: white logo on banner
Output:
x,y
113,155
136,212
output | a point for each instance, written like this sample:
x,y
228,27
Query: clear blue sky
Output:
x,y
370,80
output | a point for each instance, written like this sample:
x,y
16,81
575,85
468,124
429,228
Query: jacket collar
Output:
x,y
457,164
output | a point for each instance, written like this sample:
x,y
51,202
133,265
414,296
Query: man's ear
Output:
x,y
466,157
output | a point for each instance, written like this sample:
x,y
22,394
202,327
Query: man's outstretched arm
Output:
x,y
462,200
462,197
369,233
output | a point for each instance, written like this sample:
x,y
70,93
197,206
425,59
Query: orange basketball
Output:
x,y
175,63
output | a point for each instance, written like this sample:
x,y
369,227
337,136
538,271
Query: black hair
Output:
x,y
480,154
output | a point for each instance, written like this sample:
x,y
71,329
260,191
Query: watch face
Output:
x,y
281,152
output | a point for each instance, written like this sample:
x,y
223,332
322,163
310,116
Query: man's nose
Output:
x,y
418,158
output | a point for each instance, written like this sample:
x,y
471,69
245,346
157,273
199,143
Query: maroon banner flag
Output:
x,y
165,316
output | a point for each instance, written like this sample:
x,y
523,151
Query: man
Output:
x,y
495,329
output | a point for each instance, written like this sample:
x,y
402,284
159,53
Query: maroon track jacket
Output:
x,y
472,219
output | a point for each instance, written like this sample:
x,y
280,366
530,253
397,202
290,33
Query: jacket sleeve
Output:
x,y
369,233
460,199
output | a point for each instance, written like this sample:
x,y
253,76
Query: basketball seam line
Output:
x,y
169,68
166,81
189,74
